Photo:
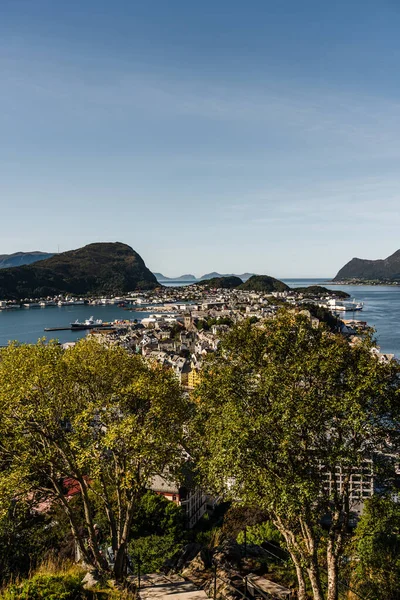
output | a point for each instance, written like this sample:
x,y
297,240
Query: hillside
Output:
x,y
320,291
225,282
359,268
214,274
264,283
101,268
19,259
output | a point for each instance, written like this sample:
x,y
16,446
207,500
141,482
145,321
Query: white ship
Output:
x,y
90,323
344,305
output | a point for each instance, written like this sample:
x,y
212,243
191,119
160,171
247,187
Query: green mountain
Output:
x,y
320,291
225,282
264,283
214,274
22,258
359,268
101,268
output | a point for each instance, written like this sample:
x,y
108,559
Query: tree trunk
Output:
x,y
313,574
332,563
99,559
119,563
291,546
301,593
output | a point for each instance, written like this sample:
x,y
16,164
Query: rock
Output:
x,y
90,580
227,552
189,552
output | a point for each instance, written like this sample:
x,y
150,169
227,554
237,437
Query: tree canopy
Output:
x,y
376,549
92,417
285,409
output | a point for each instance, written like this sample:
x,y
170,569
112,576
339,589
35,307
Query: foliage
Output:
x,y
224,282
95,416
153,551
158,516
319,290
258,534
93,269
376,548
48,587
281,407
209,538
324,315
264,283
240,516
206,324
25,538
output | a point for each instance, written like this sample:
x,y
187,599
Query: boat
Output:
x,y
353,305
32,305
343,305
90,323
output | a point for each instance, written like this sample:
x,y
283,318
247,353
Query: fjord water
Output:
x,y
27,324
381,310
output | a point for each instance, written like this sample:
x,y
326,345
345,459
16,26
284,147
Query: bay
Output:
x,y
381,310
27,324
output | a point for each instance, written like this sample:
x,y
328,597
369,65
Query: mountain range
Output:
x,y
97,269
381,269
19,259
160,277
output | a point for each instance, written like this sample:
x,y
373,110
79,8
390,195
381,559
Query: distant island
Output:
x,y
224,282
256,283
243,276
363,270
18,259
101,268
163,278
160,277
264,283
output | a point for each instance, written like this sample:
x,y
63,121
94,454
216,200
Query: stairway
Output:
x,y
171,587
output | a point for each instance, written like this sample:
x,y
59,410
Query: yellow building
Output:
x,y
193,378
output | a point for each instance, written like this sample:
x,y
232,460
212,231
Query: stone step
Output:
x,y
160,587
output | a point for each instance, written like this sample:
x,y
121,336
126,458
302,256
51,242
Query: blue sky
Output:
x,y
257,136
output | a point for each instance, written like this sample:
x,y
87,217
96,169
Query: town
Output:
x,y
183,325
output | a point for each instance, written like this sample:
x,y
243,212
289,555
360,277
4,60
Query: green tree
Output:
x,y
99,416
158,516
283,406
376,550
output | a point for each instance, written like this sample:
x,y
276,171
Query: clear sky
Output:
x,y
221,135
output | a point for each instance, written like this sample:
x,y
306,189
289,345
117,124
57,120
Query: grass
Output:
x,y
59,581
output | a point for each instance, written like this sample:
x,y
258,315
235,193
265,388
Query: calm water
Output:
x,y
381,310
27,324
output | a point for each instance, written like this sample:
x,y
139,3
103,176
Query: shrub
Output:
x,y
47,587
153,551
